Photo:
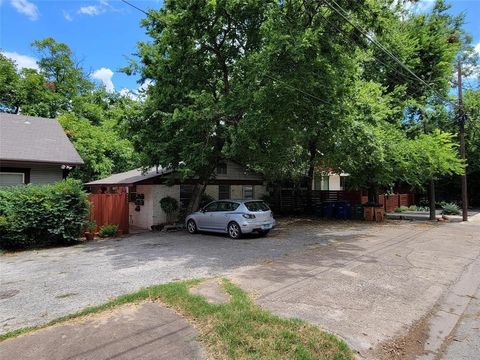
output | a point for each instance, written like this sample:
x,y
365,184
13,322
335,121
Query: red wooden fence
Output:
x,y
106,209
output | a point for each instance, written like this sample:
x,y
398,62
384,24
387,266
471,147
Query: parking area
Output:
x,y
37,286
368,283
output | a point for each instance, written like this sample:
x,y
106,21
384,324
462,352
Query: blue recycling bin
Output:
x,y
343,211
328,209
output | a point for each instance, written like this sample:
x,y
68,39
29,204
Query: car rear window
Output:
x,y
256,206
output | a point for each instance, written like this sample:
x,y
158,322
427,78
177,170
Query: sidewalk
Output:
x,y
464,343
146,331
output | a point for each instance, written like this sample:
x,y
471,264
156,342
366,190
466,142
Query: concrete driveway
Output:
x,y
393,292
38,286
375,285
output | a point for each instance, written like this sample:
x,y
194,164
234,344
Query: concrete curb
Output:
x,y
450,310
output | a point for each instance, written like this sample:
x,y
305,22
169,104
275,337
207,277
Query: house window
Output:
x,y
223,192
222,169
248,192
325,182
186,192
132,193
11,178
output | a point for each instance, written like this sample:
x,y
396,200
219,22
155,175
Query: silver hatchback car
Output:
x,y
233,217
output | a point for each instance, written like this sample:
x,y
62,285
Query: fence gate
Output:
x,y
106,209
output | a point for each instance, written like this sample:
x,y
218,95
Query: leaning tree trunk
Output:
x,y
198,190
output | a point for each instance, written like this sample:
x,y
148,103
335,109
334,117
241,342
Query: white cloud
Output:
x,y
91,10
67,16
105,76
94,10
27,8
477,48
22,61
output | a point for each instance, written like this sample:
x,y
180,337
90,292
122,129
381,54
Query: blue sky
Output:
x,y
103,33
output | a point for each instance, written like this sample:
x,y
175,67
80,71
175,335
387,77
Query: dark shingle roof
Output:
x,y
35,139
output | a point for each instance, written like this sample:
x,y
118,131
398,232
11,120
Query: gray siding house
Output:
x,y
34,150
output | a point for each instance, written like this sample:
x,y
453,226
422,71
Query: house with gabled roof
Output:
x,y
34,150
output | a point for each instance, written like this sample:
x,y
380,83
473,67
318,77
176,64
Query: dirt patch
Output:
x,y
212,290
405,347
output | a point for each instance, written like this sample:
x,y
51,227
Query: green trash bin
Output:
x,y
358,212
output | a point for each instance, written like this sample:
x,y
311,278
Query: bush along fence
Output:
x,y
42,215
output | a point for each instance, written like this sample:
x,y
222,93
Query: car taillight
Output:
x,y
248,216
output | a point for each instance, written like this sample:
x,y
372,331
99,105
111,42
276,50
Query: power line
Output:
x,y
299,90
134,6
342,13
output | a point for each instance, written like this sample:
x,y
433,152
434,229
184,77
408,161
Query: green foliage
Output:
x,y
9,85
42,215
169,204
412,208
100,146
402,209
450,209
109,230
91,226
92,118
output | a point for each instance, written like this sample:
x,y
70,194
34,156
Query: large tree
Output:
x,y
196,64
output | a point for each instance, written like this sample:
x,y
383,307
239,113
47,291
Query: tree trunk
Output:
x,y
198,190
373,194
431,199
312,148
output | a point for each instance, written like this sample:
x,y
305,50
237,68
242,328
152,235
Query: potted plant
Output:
x,y
369,211
90,230
170,206
109,230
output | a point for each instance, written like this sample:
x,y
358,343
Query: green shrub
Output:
x,y
170,206
401,209
108,230
42,215
450,209
412,208
423,208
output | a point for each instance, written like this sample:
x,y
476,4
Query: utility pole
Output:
x,y
461,135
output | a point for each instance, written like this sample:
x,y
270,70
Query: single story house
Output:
x,y
34,150
145,189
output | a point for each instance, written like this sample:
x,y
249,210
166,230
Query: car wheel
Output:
x,y
234,230
191,227
263,232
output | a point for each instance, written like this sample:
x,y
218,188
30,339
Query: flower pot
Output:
x,y
89,236
379,214
369,213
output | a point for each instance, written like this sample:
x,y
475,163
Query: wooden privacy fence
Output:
x,y
291,201
107,209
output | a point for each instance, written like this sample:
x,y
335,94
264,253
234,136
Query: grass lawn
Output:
x,y
238,329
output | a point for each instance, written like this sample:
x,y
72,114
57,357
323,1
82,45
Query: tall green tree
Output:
x,y
9,85
196,62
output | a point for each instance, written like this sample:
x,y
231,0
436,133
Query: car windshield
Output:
x,y
256,206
